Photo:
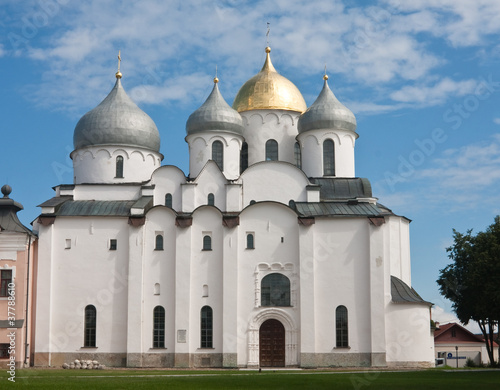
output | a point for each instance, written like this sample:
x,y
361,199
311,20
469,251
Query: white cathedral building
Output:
x,y
270,253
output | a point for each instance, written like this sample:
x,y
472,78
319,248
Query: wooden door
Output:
x,y
272,344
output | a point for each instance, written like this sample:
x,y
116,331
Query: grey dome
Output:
x,y
327,113
215,115
117,121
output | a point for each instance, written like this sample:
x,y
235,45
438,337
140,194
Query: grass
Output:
x,y
233,379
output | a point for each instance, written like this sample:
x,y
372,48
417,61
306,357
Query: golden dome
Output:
x,y
269,90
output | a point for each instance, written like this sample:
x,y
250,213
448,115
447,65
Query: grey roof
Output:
x,y
9,221
402,293
117,121
327,113
56,201
86,208
215,115
333,188
328,209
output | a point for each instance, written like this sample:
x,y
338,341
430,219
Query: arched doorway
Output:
x,y
272,344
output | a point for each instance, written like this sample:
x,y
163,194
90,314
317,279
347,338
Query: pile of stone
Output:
x,y
84,365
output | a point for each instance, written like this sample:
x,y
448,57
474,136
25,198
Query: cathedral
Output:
x,y
271,252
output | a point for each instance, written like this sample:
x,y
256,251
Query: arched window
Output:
x,y
250,243
298,155
211,199
206,327
341,327
159,327
90,326
275,290
119,167
159,242
271,150
168,200
328,158
207,243
218,154
244,157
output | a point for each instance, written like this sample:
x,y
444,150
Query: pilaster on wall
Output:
x,y
307,292
182,298
377,296
231,336
43,341
135,296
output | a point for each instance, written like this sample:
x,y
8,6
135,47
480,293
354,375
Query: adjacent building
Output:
x,y
17,271
271,252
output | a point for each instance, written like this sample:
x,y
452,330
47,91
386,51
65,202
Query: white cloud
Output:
x,y
440,315
379,46
461,22
434,94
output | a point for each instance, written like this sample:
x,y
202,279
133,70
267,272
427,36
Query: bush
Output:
x,y
470,363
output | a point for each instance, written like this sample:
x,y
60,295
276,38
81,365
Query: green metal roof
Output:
x,y
86,208
324,209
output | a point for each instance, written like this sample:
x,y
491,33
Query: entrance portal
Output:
x,y
272,344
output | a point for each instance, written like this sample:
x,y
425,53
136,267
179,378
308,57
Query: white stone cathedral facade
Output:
x,y
270,253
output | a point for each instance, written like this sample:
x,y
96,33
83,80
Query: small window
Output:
x,y
298,155
6,279
453,333
218,154
211,199
275,290
207,243
328,158
159,327
206,327
119,167
90,326
168,200
159,242
156,289
250,241
4,351
244,157
341,326
271,150
113,244
68,243
205,290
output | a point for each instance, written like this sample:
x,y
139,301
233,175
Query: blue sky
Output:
x,y
422,77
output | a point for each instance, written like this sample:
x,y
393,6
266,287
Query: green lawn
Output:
x,y
229,379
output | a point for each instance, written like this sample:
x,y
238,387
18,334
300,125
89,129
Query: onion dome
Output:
x,y
117,121
215,115
327,113
269,90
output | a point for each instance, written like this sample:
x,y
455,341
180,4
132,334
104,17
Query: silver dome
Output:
x,y
117,121
215,115
327,113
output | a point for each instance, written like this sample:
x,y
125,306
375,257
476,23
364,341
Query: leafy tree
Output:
x,y
472,281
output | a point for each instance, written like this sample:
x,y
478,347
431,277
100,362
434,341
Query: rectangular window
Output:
x,y
4,351
6,279
112,245
68,243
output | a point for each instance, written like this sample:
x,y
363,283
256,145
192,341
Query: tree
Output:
x,y
472,281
